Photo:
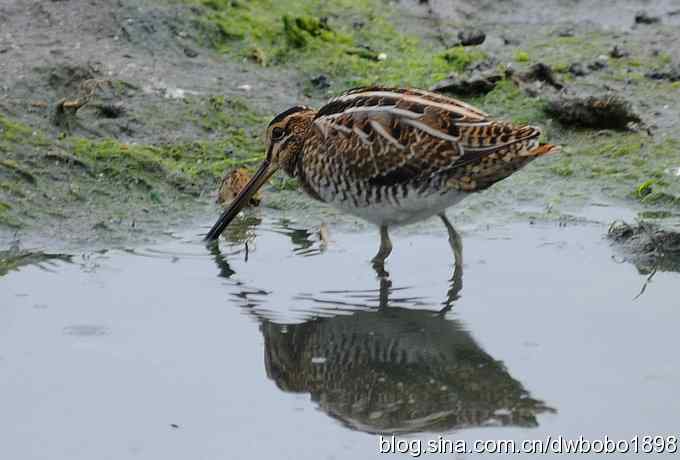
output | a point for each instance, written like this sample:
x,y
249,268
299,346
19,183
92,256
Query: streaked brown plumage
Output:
x,y
391,156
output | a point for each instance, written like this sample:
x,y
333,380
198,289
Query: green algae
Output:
x,y
621,165
509,102
521,56
229,117
460,58
191,166
353,41
12,132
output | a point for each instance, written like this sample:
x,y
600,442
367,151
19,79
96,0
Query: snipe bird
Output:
x,y
391,156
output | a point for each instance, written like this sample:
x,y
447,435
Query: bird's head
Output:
x,y
284,138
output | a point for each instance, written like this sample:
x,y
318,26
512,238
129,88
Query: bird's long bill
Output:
x,y
261,176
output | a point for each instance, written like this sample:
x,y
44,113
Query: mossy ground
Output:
x,y
356,42
46,172
107,181
322,37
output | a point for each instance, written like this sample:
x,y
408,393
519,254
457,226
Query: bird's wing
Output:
x,y
390,136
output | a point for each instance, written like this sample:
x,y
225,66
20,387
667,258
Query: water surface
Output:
x,y
293,349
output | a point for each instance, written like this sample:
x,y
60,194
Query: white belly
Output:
x,y
403,211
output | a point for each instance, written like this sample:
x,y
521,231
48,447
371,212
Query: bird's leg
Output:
x,y
324,236
383,253
457,279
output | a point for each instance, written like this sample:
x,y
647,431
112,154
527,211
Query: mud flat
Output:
x,y
117,119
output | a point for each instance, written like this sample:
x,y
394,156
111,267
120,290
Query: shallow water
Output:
x,y
294,350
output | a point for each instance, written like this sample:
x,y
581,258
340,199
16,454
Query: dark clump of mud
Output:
x,y
671,73
643,17
543,73
471,37
607,112
647,246
476,84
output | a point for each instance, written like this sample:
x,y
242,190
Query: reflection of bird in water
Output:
x,y
247,226
396,371
388,369
390,156
232,184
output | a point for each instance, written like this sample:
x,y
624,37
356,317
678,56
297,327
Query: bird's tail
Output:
x,y
544,149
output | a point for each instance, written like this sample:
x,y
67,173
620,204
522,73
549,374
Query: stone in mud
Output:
x,y
643,17
605,112
321,81
471,37
578,70
599,63
671,73
543,73
189,52
647,246
478,83
566,32
618,52
507,40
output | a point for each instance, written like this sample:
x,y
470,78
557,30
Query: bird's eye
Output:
x,y
277,133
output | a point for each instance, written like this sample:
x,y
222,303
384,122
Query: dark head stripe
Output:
x,y
282,115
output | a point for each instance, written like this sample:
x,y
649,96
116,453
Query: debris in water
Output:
x,y
647,246
232,184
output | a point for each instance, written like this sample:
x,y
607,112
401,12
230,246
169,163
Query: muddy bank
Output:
x,y
118,119
647,246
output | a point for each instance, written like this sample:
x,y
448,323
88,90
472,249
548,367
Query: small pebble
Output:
x,y
471,37
599,64
642,17
509,40
578,70
617,52
321,81
190,53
